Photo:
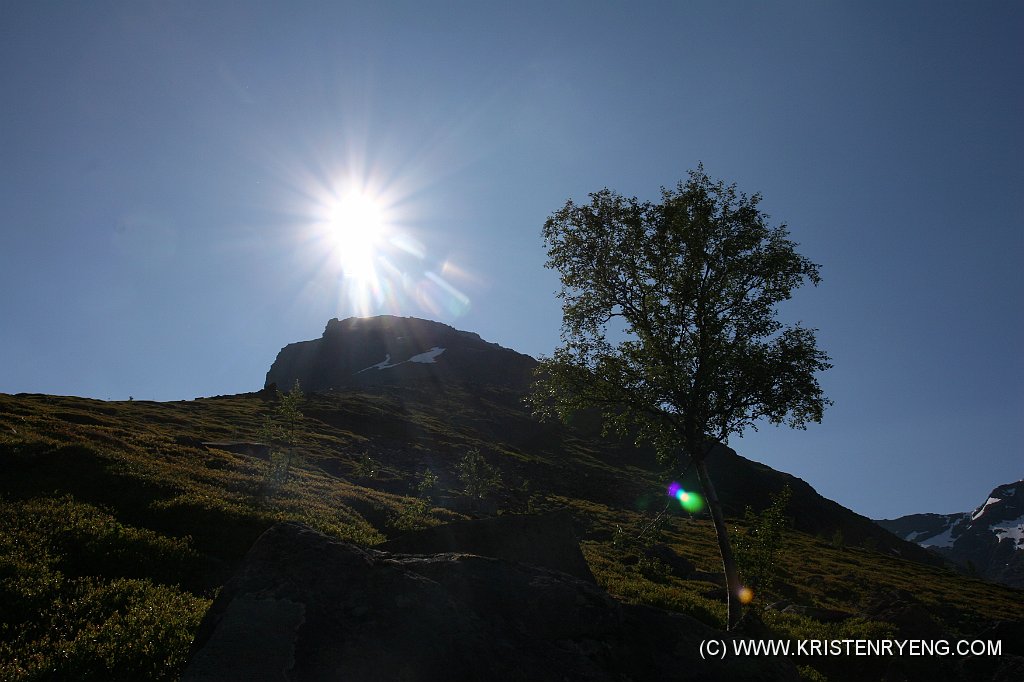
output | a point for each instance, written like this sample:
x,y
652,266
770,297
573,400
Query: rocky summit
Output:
x,y
362,351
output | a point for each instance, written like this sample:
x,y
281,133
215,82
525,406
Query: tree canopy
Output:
x,y
670,329
669,317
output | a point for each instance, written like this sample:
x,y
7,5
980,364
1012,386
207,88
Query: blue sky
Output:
x,y
167,168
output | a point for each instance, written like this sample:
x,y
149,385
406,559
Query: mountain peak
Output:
x,y
397,350
990,539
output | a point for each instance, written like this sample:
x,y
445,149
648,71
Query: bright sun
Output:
x,y
358,224
365,248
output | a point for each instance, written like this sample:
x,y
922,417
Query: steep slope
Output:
x,y
119,521
117,526
742,482
416,358
988,541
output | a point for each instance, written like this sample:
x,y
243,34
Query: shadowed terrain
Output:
x,y
118,526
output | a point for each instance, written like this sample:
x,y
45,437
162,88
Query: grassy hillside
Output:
x,y
117,526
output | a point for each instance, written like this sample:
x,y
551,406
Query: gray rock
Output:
x,y
680,566
388,350
304,607
545,540
715,578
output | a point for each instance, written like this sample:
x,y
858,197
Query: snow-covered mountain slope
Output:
x,y
988,540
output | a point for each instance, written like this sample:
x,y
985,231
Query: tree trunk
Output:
x,y
732,576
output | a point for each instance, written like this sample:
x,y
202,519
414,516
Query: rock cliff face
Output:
x,y
988,541
538,540
392,350
304,607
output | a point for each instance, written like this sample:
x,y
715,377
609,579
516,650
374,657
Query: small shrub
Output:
x,y
81,539
478,477
366,467
427,485
653,569
413,516
758,547
838,541
280,431
621,539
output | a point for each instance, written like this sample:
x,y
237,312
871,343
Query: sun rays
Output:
x,y
363,240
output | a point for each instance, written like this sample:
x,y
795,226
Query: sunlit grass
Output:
x,y
118,526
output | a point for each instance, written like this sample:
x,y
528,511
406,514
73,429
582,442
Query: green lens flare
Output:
x,y
691,502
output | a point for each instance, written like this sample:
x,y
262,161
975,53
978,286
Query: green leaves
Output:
x,y
479,478
669,316
281,432
758,547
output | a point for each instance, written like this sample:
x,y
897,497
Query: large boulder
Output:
x,y
304,607
546,540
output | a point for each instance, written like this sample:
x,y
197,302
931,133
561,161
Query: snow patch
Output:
x,y
989,501
428,356
943,539
383,364
1011,529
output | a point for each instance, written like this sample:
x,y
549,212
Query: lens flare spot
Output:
x,y
691,502
746,595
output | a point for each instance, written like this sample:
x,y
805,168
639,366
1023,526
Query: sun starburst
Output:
x,y
357,225
358,230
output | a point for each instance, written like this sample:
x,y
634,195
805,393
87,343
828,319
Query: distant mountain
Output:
x,y
988,541
363,351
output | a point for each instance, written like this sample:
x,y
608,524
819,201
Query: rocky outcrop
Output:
x,y
679,566
988,542
304,607
545,540
363,351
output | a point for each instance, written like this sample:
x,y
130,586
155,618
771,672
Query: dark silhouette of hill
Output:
x,y
396,351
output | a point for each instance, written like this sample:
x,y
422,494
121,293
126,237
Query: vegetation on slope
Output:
x,y
117,526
